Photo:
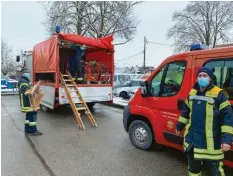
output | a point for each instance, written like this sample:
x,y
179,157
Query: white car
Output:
x,y
125,89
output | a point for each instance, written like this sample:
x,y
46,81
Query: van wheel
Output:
x,y
141,135
123,95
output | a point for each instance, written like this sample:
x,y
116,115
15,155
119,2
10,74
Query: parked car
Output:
x,y
125,89
120,78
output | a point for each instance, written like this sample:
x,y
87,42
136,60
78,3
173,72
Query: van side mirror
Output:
x,y
17,58
143,91
180,104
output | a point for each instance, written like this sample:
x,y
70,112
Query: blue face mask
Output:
x,y
203,82
27,75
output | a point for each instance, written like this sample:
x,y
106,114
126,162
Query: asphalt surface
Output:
x,y
64,150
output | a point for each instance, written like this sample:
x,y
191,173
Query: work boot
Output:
x,y
37,133
80,80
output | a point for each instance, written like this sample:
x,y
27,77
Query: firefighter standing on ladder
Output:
x,y
208,119
31,116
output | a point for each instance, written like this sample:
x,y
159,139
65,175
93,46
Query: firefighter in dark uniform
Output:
x,y
31,116
75,65
208,121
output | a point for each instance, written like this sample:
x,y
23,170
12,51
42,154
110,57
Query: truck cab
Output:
x,y
150,117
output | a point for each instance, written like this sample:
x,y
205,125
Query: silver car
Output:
x,y
125,89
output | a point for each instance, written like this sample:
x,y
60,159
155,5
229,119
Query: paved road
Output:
x,y
64,150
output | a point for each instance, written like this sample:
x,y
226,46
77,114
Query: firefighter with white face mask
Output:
x,y
208,122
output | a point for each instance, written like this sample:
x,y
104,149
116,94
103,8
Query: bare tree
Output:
x,y
93,18
207,22
6,57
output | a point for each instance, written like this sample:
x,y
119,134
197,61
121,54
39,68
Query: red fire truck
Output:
x,y
152,114
49,58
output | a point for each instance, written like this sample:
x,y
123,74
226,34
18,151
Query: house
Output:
x,y
122,70
134,70
140,70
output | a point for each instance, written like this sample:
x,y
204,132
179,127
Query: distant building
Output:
x,y
134,70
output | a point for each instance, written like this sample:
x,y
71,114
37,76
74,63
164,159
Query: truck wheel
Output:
x,y
45,109
141,135
123,95
90,105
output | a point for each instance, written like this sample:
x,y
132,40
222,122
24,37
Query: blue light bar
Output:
x,y
58,29
198,46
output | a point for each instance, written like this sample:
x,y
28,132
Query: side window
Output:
x,y
156,82
169,80
217,69
173,79
223,74
135,83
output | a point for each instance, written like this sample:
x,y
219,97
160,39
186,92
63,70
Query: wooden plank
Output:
x,y
35,96
70,85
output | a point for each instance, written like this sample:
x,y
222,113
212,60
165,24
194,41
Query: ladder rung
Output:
x,y
70,85
79,103
73,90
65,75
80,108
67,80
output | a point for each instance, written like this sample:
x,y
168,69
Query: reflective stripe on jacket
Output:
x,y
24,85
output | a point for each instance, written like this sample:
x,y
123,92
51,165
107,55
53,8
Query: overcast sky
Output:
x,y
22,27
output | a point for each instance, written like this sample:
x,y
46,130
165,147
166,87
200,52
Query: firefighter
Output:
x,y
208,121
81,64
74,61
31,116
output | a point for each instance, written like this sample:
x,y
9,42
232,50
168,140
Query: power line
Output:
x,y
130,56
160,43
165,44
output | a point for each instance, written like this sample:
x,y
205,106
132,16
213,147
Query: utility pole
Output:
x,y
144,55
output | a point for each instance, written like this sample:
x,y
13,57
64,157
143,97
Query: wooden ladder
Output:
x,y
68,82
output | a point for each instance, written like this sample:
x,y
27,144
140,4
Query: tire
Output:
x,y
90,105
45,109
123,95
141,135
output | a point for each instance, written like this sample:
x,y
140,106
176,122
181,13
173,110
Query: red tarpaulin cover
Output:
x,y
45,56
105,43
